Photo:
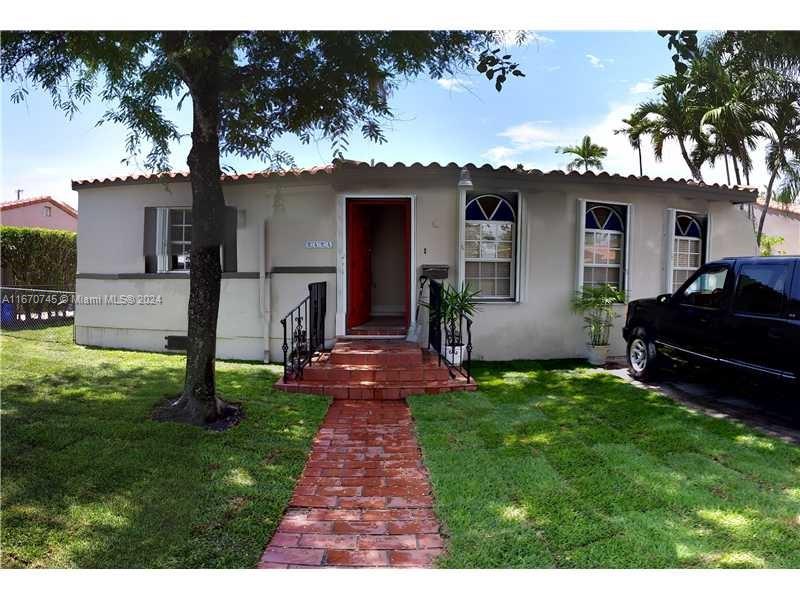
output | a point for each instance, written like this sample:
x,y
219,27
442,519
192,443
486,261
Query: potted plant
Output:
x,y
455,304
596,304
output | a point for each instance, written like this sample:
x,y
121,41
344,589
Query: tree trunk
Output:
x,y
745,168
199,404
697,175
727,168
767,198
641,171
736,169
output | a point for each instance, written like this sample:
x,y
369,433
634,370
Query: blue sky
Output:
x,y
577,83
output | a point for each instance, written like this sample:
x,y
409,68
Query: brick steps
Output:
x,y
375,370
385,353
373,373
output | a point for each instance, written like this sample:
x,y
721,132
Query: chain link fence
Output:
x,y
41,312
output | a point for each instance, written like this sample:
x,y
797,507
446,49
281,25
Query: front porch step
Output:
x,y
376,370
386,353
331,372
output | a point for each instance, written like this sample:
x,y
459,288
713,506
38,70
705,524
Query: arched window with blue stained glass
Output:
x,y
489,244
604,244
688,246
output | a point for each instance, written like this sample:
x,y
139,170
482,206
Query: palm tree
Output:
x,y
708,147
636,127
727,100
673,117
780,125
588,155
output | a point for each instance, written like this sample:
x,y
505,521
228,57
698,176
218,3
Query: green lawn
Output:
x,y
553,465
88,480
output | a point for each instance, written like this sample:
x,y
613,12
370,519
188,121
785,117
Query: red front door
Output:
x,y
359,264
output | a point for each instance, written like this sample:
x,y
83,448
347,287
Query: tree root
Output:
x,y
191,411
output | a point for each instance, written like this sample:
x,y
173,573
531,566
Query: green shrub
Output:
x,y
33,257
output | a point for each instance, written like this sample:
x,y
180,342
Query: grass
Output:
x,y
554,465
90,481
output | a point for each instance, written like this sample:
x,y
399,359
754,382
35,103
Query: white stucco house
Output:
x,y
526,239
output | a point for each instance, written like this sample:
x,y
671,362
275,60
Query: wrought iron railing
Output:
x,y
451,337
304,331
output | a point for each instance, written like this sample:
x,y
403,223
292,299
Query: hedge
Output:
x,y
33,257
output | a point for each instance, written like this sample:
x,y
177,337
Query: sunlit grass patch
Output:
x,y
556,465
90,481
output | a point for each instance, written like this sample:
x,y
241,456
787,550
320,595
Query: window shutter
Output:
x,y
669,248
149,247
229,240
580,222
706,222
627,263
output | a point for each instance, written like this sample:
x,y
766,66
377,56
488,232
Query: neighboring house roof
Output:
x,y
39,200
790,211
739,193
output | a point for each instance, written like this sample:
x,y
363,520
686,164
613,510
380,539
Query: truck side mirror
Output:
x,y
663,298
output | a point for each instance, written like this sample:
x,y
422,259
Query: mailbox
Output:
x,y
435,271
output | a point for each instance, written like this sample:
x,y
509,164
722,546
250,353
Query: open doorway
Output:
x,y
378,266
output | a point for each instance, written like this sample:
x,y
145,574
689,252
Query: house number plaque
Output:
x,y
319,244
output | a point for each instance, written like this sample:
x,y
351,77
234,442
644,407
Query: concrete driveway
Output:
x,y
769,408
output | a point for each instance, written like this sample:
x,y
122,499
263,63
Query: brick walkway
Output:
x,y
364,499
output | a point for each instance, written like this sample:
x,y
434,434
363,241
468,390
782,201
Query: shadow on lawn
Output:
x,y
557,466
90,481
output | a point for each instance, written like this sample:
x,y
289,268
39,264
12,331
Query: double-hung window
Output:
x,y
689,234
604,245
167,239
174,238
490,236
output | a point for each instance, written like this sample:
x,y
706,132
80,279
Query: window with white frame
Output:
x,y
490,239
174,238
604,245
688,247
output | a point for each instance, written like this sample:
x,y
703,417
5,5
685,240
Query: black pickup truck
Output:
x,y
738,313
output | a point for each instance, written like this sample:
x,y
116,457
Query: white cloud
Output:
x,y
510,37
454,84
642,87
599,63
532,135
499,154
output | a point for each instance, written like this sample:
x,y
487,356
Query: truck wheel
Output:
x,y
642,357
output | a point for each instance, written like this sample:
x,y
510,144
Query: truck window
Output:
x,y
793,307
761,288
706,288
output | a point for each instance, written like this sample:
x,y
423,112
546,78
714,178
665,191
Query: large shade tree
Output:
x,y
246,89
